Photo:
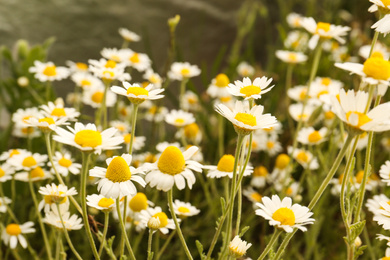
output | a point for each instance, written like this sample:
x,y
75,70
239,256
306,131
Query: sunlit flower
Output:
x,y
385,172
190,132
183,70
252,195
108,70
47,71
57,193
59,111
137,94
294,20
310,136
153,78
161,221
269,144
250,90
184,209
364,51
283,214
295,111
34,174
129,35
48,204
244,69
112,54
139,202
291,56
225,167
12,233
94,97
70,222
85,80
218,86
6,172
139,61
154,113
373,204
100,202
77,67
259,177
46,124
25,132
138,141
179,118
27,160
190,101
383,6
383,215
296,40
238,247
21,116
64,164
121,126
304,158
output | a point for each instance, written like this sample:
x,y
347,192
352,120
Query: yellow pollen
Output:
x,y
362,118
105,202
118,170
171,161
27,130
179,120
127,138
359,176
221,80
88,138
97,97
185,72
137,91
135,58
376,67
326,81
110,64
292,57
329,115
81,66
107,74
289,191
85,83
64,162
323,92
48,200
2,172
26,118
225,99
37,173
162,217
260,171
48,120
226,163
302,95
302,156
58,112
270,144
256,196
322,26
115,58
282,161
314,137
245,118
13,230
151,158
138,202
285,216
183,209
250,90
50,71
191,130
29,161
13,152
386,2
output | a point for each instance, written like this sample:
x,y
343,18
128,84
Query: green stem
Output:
x,y
165,245
9,210
182,91
373,43
221,136
48,89
103,107
270,244
182,240
150,244
123,229
105,229
133,124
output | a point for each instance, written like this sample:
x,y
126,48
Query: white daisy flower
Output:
x,y
6,172
373,180
4,201
173,167
297,93
364,51
138,141
112,54
21,116
238,247
350,109
252,195
64,164
139,202
137,94
385,172
259,177
46,124
373,204
179,118
250,90
108,70
47,71
12,233
129,35
117,179
121,126
291,56
59,111
295,111
70,222
296,40
35,174
294,20
153,78
244,69
8,154
225,167
25,132
382,25
164,223
323,30
154,113
283,214
27,160
190,101
183,70
184,209
87,138
383,215
57,193
100,202
77,67
246,120
304,158
310,136
218,86
85,80
191,133
269,144
48,204
94,96
139,61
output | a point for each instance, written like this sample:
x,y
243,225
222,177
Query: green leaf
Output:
x,y
359,251
199,246
356,229
245,229
47,44
223,203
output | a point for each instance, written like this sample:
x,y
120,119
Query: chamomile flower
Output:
x,y
137,94
4,201
269,144
57,193
381,25
139,61
295,111
117,179
59,111
350,108
385,172
373,204
153,78
304,158
291,57
129,35
383,215
162,222
297,93
108,70
154,113
27,160
94,97
190,132
88,138
48,204
238,247
190,101
47,71
77,67
64,164
173,167
70,222
6,171
364,51
12,233
296,41
259,177
283,214
225,167
21,116
310,136
252,195
46,124
294,20
100,202
179,118
8,154
184,209
183,70
250,90
25,132
112,54
34,174
373,180
138,141
85,80
218,86
139,202
244,69
246,120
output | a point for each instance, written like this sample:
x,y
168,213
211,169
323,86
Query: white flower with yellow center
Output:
x,y
64,164
191,133
350,108
129,35
383,215
100,202
304,158
384,172
291,57
48,204
35,174
324,31
94,97
173,167
59,111
121,126
179,118
295,111
139,61
112,54
57,193
310,136
8,154
244,69
153,112
297,93
6,172
364,51
108,70
373,204
153,78
259,177
25,132
21,116
190,101
246,120
296,40
184,209
137,94
383,6
138,141
27,160
270,144
252,195
117,179
4,201
160,220
85,80
294,20
77,67
225,167
238,247
218,86
183,70
47,71
250,90
12,233
139,202
70,222
46,123
283,214
373,180
88,138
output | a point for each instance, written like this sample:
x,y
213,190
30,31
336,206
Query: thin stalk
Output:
x,y
182,91
123,229
105,229
9,210
182,240
221,136
150,244
373,42
270,244
104,105
133,124
165,245
48,88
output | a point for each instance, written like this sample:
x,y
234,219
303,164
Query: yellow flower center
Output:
x,y
250,90
322,26
13,230
49,200
285,216
226,163
58,112
260,171
179,120
185,72
326,81
85,82
221,80
88,138
118,170
134,58
27,130
50,71
270,144
386,257
26,118
13,152
110,64
191,130
362,118
81,66
64,162
171,161
314,137
162,217
97,97
2,172
386,2
138,202
137,91
183,209
37,173
107,74
323,92
256,196
292,57
359,176
289,191
282,161
48,120
127,138
29,161
105,202
225,99
245,118
150,158
302,95
302,156
376,67
329,115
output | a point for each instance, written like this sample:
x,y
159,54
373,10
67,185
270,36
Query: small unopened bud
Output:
x,y
238,247
23,82
358,242
154,223
173,22
59,102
